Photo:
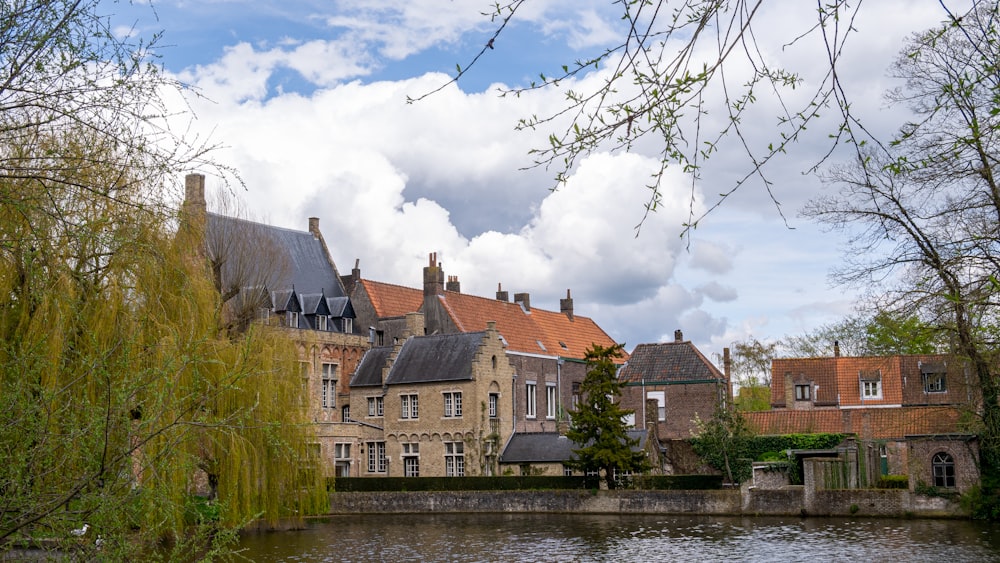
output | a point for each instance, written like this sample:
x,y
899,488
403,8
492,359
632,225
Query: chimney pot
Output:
x,y
502,295
566,305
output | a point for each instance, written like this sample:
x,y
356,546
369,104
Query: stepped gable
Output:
x,y
533,331
369,371
440,357
669,362
390,300
869,423
307,267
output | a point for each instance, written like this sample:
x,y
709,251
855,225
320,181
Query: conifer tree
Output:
x,y
598,424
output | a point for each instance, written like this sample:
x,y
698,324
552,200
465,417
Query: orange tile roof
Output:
x,y
839,378
391,300
535,332
866,423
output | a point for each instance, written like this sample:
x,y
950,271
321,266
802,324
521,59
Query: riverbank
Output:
x,y
791,501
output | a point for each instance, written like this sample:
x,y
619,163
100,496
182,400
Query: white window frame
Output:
x,y
376,406
661,403
321,322
409,406
376,457
453,404
292,318
803,391
329,385
871,390
494,402
348,326
411,459
530,399
454,459
550,401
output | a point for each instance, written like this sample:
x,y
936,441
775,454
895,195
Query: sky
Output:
x,y
307,100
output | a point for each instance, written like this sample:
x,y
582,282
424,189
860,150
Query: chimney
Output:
x,y
433,277
352,280
836,349
414,325
678,336
566,306
727,370
453,284
501,294
524,299
194,211
314,226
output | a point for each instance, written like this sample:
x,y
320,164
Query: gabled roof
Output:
x,y
532,332
313,304
304,261
440,357
390,300
669,362
340,307
369,370
868,423
550,447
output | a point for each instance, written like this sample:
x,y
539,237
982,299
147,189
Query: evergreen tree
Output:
x,y
598,425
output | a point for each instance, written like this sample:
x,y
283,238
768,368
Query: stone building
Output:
x,y
433,405
286,279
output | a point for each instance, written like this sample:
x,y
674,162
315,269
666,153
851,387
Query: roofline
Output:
x,y
677,382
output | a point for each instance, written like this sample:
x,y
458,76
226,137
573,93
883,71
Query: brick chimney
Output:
x,y
501,294
433,277
836,349
414,325
524,299
194,210
678,336
566,306
353,279
453,284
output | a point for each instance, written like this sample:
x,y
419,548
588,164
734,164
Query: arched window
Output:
x,y
494,362
943,466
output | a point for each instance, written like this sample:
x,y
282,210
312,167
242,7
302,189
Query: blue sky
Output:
x,y
308,101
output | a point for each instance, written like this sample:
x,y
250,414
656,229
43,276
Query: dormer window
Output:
x,y
349,326
803,392
292,319
871,384
321,322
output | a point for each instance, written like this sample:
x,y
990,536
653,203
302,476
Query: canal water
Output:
x,y
639,538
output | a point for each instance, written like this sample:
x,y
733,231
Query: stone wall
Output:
x,y
786,502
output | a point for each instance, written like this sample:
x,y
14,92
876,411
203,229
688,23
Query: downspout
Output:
x,y
559,409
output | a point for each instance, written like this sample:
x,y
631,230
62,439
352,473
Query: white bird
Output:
x,y
81,531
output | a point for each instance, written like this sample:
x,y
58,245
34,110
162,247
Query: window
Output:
x,y
376,457
494,400
661,403
329,384
803,392
871,389
345,413
342,459
375,406
380,338
320,322
348,326
943,466
550,400
292,319
453,405
408,406
934,383
454,459
567,471
576,395
529,406
411,460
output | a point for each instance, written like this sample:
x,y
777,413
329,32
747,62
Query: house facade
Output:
x,y
433,405
546,348
910,414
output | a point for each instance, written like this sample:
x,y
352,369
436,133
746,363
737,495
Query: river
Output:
x,y
628,538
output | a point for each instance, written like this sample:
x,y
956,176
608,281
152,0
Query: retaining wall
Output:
x,y
783,502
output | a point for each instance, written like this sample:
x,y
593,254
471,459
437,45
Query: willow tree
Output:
x,y
119,383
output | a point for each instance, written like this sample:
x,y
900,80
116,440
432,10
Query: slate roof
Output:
x,y
669,362
549,447
369,370
309,269
866,423
439,357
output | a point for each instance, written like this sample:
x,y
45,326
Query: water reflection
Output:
x,y
572,537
